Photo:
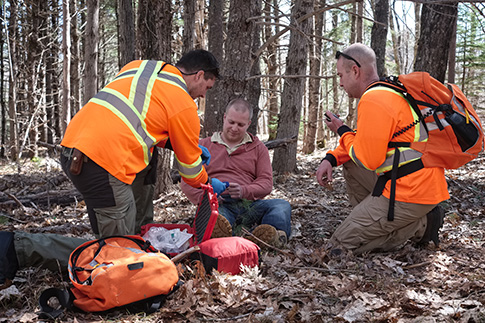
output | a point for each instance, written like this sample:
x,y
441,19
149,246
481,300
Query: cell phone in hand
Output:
x,y
328,118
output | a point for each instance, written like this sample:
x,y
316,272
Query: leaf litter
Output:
x,y
303,284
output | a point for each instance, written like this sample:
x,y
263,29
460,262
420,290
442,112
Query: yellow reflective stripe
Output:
x,y
135,78
407,155
129,115
125,121
355,159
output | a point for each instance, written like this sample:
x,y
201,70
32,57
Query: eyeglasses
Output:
x,y
339,53
214,71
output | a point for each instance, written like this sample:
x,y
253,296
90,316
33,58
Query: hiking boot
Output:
x,y
434,223
268,234
222,228
8,259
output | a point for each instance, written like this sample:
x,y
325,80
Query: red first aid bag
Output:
x,y
228,254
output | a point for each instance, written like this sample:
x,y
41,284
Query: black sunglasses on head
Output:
x,y
339,53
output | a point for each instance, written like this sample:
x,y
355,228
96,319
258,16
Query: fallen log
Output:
x,y
61,197
280,142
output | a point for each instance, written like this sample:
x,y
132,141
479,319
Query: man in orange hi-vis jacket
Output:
x,y
109,147
364,153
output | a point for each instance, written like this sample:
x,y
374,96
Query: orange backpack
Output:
x,y
112,272
118,270
455,134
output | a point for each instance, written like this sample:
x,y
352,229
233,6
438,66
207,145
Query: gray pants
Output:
x,y
50,251
114,207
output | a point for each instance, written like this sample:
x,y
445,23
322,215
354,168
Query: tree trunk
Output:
x,y
452,56
126,31
75,59
314,87
271,60
12,86
3,107
254,84
395,44
240,33
153,42
35,76
213,103
200,27
91,42
284,159
66,70
52,79
189,25
434,41
379,34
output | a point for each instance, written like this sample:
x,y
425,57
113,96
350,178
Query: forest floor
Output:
x,y
301,284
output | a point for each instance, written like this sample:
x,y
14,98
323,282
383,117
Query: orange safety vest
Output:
x,y
145,105
368,147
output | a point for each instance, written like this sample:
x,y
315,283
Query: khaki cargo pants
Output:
x,y
367,228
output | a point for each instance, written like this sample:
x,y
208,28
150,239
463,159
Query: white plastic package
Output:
x,y
168,241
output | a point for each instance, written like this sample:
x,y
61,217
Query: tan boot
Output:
x,y
268,234
222,228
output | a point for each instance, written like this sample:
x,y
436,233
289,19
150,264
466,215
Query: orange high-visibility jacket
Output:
x,y
145,105
381,113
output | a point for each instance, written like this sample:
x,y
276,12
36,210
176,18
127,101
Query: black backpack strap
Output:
x,y
393,175
64,297
154,304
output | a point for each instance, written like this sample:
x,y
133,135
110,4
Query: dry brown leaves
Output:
x,y
304,284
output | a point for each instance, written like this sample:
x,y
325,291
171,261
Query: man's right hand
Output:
x,y
324,174
332,121
218,186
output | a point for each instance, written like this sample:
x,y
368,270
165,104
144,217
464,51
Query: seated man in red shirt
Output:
x,y
242,160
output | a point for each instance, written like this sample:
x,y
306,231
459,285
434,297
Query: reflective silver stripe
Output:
x,y
462,108
355,159
120,106
189,171
173,79
406,155
126,74
143,81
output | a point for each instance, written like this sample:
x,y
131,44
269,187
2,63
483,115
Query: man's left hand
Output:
x,y
234,190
